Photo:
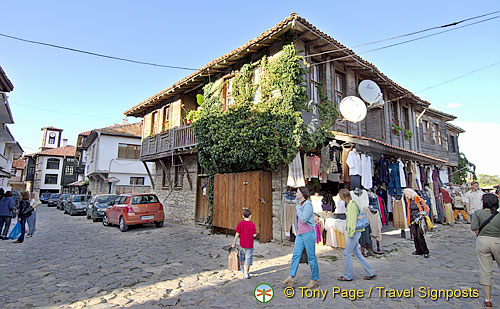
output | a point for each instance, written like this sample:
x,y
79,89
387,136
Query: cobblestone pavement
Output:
x,y
72,262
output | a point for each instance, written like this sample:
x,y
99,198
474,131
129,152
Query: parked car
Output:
x,y
52,201
133,209
61,200
76,204
98,204
44,197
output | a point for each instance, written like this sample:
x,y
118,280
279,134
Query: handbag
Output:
x,y
233,260
16,231
361,220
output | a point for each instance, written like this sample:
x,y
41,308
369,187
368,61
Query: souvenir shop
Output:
x,y
375,173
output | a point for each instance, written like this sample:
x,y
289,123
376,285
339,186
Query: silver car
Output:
x,y
76,204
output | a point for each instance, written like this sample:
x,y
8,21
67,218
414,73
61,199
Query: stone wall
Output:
x,y
180,205
283,174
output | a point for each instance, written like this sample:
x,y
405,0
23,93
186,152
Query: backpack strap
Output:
x,y
485,223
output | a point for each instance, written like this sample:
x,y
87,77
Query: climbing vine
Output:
x,y
263,128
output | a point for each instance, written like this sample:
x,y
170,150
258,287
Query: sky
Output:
x,y
78,92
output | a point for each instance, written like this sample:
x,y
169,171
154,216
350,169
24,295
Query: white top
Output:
x,y
417,171
295,175
443,175
316,202
402,177
362,199
339,205
366,169
354,162
474,200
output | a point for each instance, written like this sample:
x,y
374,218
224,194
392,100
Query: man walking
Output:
x,y
473,198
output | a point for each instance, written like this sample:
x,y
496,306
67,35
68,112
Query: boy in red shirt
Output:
x,y
246,232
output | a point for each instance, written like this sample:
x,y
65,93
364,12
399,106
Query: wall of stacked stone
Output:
x,y
279,178
180,205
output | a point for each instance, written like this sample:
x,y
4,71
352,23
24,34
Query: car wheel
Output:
x,y
94,218
123,226
159,224
105,221
88,217
71,213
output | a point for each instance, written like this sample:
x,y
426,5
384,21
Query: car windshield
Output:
x,y
80,198
55,195
144,199
46,195
105,199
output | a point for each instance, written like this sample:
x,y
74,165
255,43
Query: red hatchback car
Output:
x,y
132,209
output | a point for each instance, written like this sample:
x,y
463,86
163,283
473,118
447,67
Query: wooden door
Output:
x,y
202,204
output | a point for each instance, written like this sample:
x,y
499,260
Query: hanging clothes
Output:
x,y
314,166
375,224
423,176
335,159
383,167
430,193
307,170
316,201
325,163
398,214
362,199
435,182
289,215
340,206
354,162
402,177
443,176
394,186
366,171
417,172
346,177
413,177
382,210
295,176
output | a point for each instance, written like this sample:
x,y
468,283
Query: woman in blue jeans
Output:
x,y
306,239
352,240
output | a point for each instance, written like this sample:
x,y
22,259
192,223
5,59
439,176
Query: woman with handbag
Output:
x,y
486,224
414,206
306,240
25,210
354,226
34,202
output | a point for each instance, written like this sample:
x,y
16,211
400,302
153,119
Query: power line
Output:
x,y
404,35
65,113
404,42
96,54
446,82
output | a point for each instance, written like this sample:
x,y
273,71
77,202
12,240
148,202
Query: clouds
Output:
x,y
480,145
454,105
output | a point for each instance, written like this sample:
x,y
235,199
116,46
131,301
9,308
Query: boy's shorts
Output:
x,y
246,255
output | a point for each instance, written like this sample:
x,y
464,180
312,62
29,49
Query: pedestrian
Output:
x,y
352,239
25,211
414,214
458,204
246,231
472,199
486,224
34,202
305,240
7,211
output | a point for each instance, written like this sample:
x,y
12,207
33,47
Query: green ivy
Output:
x,y
258,135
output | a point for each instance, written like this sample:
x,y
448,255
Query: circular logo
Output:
x,y
263,293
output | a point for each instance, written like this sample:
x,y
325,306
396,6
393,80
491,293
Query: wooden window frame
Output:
x,y
314,83
53,161
130,148
135,181
338,82
406,118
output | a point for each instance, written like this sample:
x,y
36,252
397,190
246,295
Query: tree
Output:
x,y
488,180
466,171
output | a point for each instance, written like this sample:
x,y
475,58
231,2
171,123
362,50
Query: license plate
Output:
x,y
147,217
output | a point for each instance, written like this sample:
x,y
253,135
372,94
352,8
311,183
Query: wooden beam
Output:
x,y
166,171
149,174
187,172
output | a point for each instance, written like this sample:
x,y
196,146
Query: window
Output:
x,y
437,134
406,118
52,139
339,88
426,130
92,153
166,117
126,151
144,199
154,121
137,181
394,108
31,170
70,160
51,179
256,81
452,144
52,164
69,170
314,86
227,92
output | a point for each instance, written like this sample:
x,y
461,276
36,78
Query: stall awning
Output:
x,y
384,148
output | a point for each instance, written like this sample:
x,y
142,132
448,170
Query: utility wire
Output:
x,y
96,54
404,35
65,113
404,42
446,82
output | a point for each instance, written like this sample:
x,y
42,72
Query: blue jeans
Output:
x,y
307,241
352,247
32,223
246,256
394,185
5,225
23,229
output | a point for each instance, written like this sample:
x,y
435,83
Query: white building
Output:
x,y
9,148
54,169
112,162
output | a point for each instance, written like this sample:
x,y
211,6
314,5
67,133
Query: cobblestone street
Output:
x,y
72,262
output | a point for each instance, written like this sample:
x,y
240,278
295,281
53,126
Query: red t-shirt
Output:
x,y
246,230
446,196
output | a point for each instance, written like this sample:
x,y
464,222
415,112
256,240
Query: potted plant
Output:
x,y
396,129
408,134
165,126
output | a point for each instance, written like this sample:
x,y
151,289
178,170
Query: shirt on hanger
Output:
x,y
402,177
295,176
366,169
354,162
314,165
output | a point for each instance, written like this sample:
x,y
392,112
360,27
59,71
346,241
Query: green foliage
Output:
x,y
408,134
488,180
262,133
396,129
466,171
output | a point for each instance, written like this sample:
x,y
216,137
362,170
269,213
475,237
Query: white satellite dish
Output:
x,y
353,109
369,91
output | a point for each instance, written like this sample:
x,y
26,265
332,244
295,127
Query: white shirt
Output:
x,y
366,169
362,199
474,200
402,177
339,205
354,162
443,175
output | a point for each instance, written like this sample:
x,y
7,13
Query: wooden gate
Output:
x,y
202,204
252,190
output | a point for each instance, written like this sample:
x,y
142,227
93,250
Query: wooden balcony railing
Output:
x,y
163,144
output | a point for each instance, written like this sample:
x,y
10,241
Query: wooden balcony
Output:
x,y
176,140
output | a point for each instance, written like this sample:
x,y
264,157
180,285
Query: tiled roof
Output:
x,y
68,151
19,163
52,128
391,146
5,83
134,111
86,133
132,129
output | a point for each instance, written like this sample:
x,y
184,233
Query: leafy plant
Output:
x,y
396,129
408,134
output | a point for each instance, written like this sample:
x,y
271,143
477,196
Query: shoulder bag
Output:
x,y
361,220
485,223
